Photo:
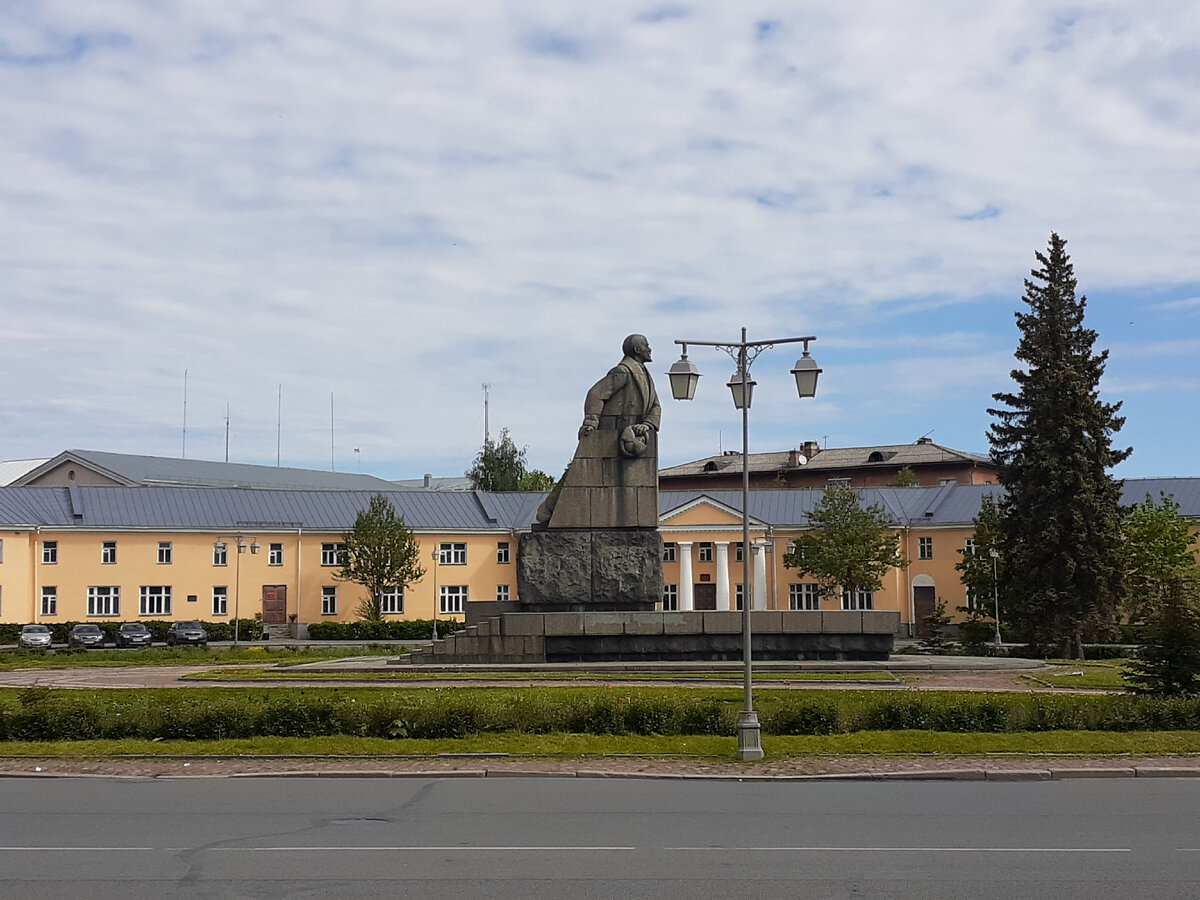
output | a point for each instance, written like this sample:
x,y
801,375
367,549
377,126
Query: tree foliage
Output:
x,y
500,466
848,547
1052,443
980,573
381,554
1158,551
1169,657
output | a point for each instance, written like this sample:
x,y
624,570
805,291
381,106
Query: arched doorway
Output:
x,y
924,603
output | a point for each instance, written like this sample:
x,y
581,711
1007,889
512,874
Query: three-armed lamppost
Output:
x,y
222,547
684,376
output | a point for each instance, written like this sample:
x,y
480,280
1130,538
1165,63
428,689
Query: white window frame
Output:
x,y
503,553
859,600
49,553
391,602
165,553
739,596
739,549
154,600
220,600
331,553
670,548
503,593
108,553
804,595
452,553
275,554
49,600
704,551
103,600
670,597
969,547
924,548
220,554
329,600
453,599
1,550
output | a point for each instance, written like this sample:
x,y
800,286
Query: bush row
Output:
x,y
36,714
248,630
398,630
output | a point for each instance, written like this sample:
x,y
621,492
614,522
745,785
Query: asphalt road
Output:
x,y
597,838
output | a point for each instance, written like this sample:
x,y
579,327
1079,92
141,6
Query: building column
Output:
x,y
722,574
686,601
760,575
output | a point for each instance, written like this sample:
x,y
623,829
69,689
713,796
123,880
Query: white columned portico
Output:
x,y
686,601
722,574
760,575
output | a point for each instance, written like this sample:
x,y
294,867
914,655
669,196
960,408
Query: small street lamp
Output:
x,y
220,546
684,377
995,555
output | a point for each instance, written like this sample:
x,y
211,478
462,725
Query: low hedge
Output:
x,y
38,714
388,630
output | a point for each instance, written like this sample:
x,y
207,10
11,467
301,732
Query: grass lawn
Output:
x,y
578,746
180,656
410,674
1103,675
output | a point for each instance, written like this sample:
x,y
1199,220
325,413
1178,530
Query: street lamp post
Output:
x,y
240,546
436,557
684,376
995,555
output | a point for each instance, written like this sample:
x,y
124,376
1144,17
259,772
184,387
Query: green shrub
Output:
x,y
387,630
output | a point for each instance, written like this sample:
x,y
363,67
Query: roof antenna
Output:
x,y
487,435
184,454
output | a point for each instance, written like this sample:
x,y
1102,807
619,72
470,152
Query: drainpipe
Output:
x,y
35,607
912,609
299,555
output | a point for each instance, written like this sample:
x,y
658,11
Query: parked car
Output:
x,y
134,634
86,636
34,637
187,633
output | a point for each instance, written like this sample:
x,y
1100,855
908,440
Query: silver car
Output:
x,y
34,637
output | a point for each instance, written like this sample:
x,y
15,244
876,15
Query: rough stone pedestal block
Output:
x,y
561,570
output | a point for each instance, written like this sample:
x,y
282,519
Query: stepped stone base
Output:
x,y
642,636
567,570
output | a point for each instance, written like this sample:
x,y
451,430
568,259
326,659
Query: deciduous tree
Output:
x,y
1052,443
500,466
848,547
381,554
1158,551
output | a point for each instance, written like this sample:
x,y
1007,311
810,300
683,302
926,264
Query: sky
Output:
x,y
334,223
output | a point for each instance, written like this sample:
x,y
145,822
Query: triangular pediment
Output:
x,y
704,512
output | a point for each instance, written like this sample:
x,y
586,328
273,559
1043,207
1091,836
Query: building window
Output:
x,y
739,552
1,550
503,593
391,601
275,555
503,553
220,605
670,598
452,554
329,600
454,598
805,595
925,548
669,551
945,481
155,600
858,599
331,554
704,552
108,553
49,553
164,553
739,596
220,554
969,547
104,601
837,482
49,600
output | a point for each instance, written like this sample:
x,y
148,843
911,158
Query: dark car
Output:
x,y
85,636
34,637
187,633
134,634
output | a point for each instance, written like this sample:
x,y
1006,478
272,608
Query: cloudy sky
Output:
x,y
396,202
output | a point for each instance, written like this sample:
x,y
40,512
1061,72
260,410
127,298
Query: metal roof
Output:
x,y
154,471
228,509
12,469
922,453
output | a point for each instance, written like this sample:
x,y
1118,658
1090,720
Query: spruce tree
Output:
x,y
1052,444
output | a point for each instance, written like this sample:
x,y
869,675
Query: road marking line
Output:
x,y
905,849
411,849
82,849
